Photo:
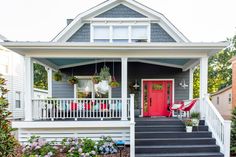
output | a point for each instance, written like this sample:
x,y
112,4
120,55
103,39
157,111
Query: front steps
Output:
x,y
166,137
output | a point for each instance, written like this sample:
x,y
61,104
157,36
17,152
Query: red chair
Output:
x,y
177,106
188,106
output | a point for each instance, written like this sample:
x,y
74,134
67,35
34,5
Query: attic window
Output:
x,y
120,33
101,34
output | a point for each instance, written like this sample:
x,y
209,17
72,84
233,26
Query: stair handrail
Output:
x,y
219,127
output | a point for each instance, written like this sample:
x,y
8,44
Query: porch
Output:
x,y
113,115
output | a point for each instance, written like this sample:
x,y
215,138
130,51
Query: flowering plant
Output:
x,y
39,147
106,146
78,147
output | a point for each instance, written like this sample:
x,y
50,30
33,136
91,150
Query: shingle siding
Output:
x,y
62,89
158,34
82,35
121,11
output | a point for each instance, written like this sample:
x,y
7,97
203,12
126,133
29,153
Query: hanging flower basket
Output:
x,y
114,83
57,76
73,80
105,73
96,79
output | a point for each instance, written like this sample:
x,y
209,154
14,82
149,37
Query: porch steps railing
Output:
x,y
219,127
92,108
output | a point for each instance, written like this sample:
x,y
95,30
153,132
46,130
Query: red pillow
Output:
x,y
87,106
73,106
103,106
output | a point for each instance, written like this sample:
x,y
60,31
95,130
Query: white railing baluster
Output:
x,y
219,127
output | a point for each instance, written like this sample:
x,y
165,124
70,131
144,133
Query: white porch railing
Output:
x,y
60,109
219,127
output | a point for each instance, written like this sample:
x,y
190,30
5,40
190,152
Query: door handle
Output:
x,y
150,101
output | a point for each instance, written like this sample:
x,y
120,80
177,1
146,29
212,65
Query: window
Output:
x,y
101,34
18,100
139,34
218,100
120,34
230,98
86,89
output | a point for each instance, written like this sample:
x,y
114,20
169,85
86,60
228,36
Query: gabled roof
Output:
x,y
70,29
222,90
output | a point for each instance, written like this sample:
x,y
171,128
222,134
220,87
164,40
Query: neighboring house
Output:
x,y
223,101
233,61
148,55
12,68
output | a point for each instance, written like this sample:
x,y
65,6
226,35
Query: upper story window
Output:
x,y
230,98
101,34
120,33
18,100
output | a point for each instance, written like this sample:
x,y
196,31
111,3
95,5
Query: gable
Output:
x,y
118,11
121,11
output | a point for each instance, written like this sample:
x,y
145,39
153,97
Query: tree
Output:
x,y
219,71
40,77
7,141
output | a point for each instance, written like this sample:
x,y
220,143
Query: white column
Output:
x,y
132,127
49,70
124,86
28,84
191,71
227,129
203,82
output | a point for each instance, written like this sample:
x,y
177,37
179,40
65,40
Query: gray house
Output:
x,y
151,60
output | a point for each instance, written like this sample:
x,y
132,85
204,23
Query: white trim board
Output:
x,y
173,90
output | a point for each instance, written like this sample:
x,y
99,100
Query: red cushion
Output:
x,y
87,106
103,106
73,106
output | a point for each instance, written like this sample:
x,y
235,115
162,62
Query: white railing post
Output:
x,y
49,70
124,86
227,130
203,82
132,127
28,88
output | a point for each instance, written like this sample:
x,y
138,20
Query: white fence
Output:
x,y
219,127
60,109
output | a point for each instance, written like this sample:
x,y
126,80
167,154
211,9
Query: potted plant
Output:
x,y
189,125
195,117
114,83
57,76
73,80
96,79
105,73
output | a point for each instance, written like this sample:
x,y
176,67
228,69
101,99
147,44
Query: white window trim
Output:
x,y
93,94
128,24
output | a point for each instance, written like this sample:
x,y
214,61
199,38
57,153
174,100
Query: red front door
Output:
x,y
157,97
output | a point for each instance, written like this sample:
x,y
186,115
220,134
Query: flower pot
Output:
x,y
189,128
195,122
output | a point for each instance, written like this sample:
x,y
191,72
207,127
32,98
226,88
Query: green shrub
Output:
x,y
233,132
8,143
195,115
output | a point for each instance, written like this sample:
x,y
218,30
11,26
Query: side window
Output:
x,y
218,100
230,98
18,100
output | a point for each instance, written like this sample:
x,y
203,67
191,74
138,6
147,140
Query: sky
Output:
x,y
42,20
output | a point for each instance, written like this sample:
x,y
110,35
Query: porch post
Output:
x,y
28,84
191,71
124,82
49,70
203,83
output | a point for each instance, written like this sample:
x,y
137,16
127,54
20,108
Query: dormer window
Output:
x,y
101,34
120,33
139,34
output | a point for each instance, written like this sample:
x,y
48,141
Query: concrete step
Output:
x,y
159,128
